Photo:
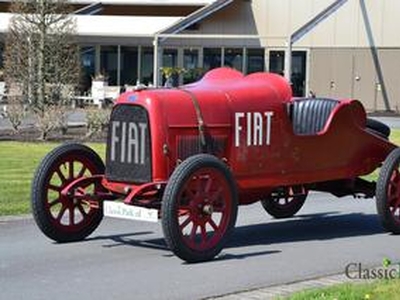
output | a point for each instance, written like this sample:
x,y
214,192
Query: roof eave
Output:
x,y
196,16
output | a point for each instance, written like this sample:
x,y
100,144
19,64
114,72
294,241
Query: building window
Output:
x,y
129,65
277,62
298,76
191,65
234,58
211,58
170,58
255,61
109,63
88,55
147,65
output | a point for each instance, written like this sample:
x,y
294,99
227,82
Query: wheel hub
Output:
x,y
208,209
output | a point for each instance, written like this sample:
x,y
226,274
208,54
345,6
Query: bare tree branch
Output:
x,y
41,55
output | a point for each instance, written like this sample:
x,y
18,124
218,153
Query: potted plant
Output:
x,y
171,75
193,75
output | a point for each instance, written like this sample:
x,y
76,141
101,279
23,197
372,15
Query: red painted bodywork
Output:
x,y
342,150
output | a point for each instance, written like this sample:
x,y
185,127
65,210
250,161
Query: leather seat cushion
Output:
x,y
309,115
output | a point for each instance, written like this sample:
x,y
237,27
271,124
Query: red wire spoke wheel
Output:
x,y
73,216
388,193
199,208
286,202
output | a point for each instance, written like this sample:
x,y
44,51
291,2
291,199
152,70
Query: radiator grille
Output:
x,y
128,155
191,145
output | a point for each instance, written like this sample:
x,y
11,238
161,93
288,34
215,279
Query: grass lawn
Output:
x,y
378,290
18,162
395,138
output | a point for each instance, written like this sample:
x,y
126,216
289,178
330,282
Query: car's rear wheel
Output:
x,y
388,192
285,202
378,127
66,218
199,208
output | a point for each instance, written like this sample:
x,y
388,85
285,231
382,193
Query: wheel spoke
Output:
x,y
82,171
395,175
392,198
394,180
208,185
81,209
197,185
54,188
213,225
202,183
61,213
393,184
61,175
54,202
193,232
397,214
185,223
395,211
396,203
71,169
216,195
203,234
183,212
80,191
192,193
71,215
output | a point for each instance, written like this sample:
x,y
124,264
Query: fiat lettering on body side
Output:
x,y
255,127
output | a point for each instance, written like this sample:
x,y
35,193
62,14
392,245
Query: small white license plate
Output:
x,y
130,212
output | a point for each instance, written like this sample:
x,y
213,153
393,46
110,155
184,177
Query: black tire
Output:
x,y
388,193
65,219
293,198
378,127
202,193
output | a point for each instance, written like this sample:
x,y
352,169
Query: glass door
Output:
x,y
191,65
298,76
169,65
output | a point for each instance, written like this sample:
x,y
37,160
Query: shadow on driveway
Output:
x,y
324,226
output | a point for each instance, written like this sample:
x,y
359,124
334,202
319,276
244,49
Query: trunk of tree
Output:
x,y
41,59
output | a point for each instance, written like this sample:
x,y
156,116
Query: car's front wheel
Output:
x,y
388,192
66,218
199,208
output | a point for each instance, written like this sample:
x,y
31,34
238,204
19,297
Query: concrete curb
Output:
x,y
284,290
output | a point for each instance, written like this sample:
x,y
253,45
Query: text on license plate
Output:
x,y
124,211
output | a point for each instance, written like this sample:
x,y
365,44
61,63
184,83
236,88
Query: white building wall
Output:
x,y
345,28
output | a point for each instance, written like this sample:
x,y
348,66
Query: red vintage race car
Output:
x,y
191,155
